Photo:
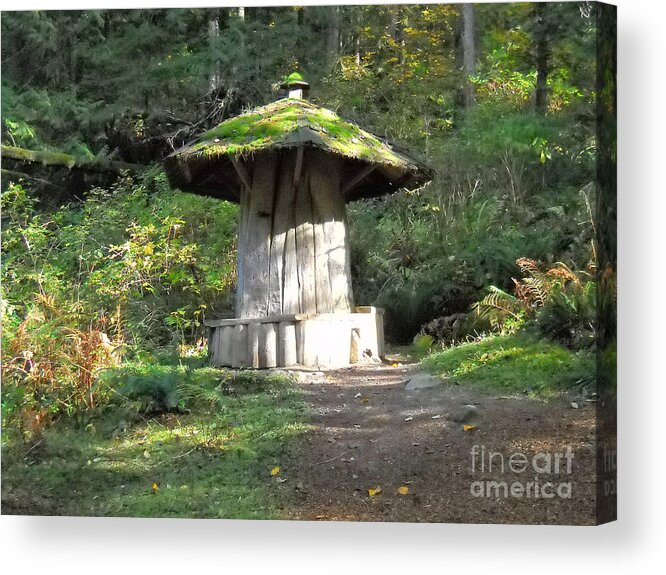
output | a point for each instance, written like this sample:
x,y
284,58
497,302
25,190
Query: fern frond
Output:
x,y
497,300
533,291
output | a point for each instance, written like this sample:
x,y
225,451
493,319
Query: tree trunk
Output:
x,y
213,37
333,36
397,33
293,244
469,51
541,58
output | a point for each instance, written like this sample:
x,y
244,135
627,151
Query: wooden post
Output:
x,y
379,323
226,344
287,344
268,345
239,347
241,251
282,222
285,223
213,346
305,246
334,291
300,342
355,353
253,331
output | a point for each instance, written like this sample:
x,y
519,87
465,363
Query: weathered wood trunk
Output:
x,y
293,248
294,301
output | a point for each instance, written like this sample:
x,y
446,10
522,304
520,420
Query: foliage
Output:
x,y
423,345
500,309
561,303
138,257
129,269
570,316
50,368
515,364
180,387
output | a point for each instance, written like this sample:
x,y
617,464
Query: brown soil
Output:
x,y
361,440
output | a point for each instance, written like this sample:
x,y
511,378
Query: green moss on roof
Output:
x,y
289,123
293,78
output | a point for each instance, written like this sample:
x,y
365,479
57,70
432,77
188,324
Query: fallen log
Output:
x,y
59,159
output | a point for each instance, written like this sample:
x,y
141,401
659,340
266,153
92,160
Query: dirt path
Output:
x,y
370,432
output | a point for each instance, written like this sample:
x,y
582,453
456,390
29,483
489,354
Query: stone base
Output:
x,y
322,341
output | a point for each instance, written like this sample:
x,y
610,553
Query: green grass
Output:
x,y
514,364
214,461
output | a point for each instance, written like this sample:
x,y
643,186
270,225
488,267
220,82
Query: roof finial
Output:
x,y
295,85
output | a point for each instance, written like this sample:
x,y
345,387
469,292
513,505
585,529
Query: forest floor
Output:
x,y
313,449
371,433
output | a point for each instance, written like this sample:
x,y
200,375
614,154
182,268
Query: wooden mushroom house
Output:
x,y
292,166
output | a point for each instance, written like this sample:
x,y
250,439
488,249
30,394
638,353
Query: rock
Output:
x,y
422,381
468,415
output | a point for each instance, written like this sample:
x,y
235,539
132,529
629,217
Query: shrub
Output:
x,y
127,270
49,367
423,344
569,316
556,303
448,330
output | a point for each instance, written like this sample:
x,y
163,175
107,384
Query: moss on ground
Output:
x,y
515,364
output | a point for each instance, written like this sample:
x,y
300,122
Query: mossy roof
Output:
x,y
286,124
294,79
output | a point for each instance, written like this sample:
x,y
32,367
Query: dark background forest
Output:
x,y
103,262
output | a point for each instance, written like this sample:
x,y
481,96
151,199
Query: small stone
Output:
x,y
422,381
469,415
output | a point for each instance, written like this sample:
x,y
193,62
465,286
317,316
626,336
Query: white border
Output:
x,y
77,545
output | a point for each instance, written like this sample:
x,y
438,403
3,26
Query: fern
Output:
x,y
569,316
533,291
497,306
562,303
196,393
